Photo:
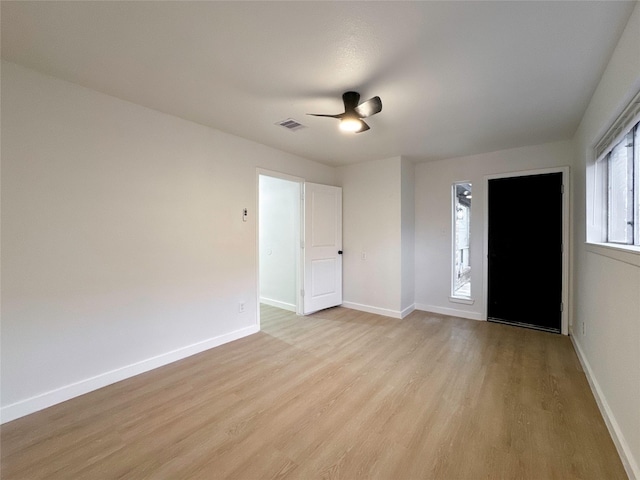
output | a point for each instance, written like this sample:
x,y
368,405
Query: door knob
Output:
x,y
339,252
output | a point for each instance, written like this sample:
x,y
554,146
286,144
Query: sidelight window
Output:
x,y
461,277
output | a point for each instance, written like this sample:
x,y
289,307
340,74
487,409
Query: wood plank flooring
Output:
x,y
339,394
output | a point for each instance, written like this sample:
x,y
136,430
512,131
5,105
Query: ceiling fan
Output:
x,y
351,119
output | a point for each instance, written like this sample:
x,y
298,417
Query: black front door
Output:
x,y
525,251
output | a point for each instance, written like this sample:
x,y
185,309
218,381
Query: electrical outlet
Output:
x,y
241,307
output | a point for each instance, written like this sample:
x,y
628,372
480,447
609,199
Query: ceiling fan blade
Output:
x,y
324,115
350,100
370,107
364,128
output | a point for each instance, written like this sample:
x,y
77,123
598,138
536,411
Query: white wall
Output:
x,y
371,220
408,233
279,241
123,245
607,286
433,181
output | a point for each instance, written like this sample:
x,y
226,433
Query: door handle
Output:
x,y
339,252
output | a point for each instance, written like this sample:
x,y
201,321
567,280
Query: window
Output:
x,y
461,281
619,177
613,189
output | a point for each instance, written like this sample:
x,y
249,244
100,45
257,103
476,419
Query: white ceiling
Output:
x,y
455,78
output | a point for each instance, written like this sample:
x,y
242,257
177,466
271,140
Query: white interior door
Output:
x,y
322,247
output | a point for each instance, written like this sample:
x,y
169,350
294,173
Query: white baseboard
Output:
x,y
626,455
407,310
53,397
369,309
275,303
453,312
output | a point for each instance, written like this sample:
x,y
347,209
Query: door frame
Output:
x,y
566,245
299,260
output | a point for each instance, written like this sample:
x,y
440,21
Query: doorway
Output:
x,y
525,251
279,237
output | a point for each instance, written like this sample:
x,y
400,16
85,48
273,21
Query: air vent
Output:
x,y
291,124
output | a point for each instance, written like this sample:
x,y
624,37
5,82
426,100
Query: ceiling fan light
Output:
x,y
350,124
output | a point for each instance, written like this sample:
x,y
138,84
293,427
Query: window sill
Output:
x,y
623,253
465,300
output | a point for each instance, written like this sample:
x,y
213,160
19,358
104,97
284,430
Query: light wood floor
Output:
x,y
340,394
